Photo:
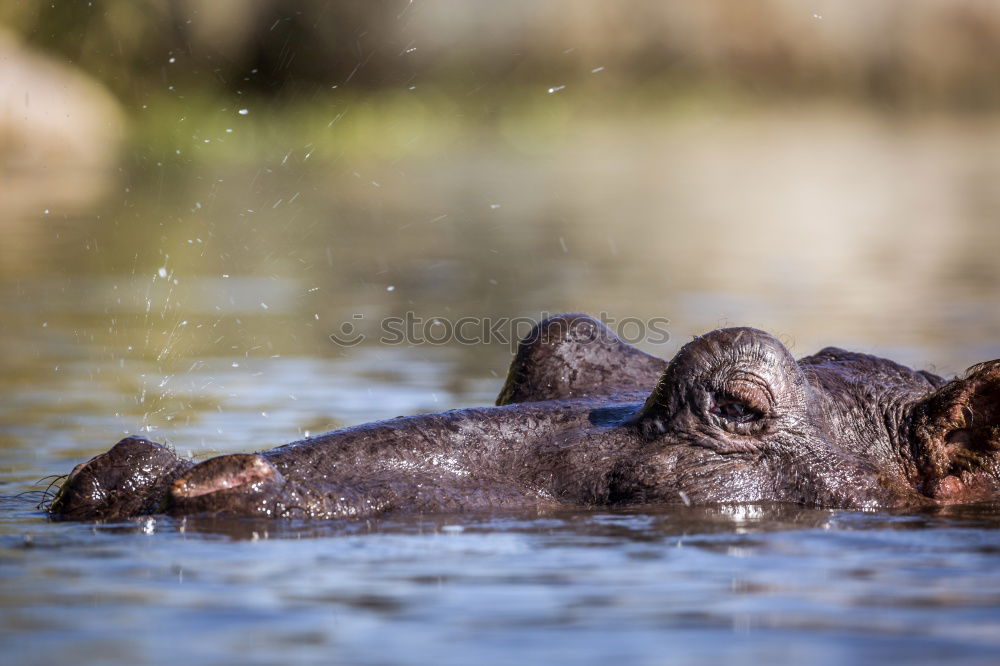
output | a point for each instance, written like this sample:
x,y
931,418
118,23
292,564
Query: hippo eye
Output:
x,y
740,404
734,410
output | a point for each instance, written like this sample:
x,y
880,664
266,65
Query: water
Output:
x,y
193,303
692,585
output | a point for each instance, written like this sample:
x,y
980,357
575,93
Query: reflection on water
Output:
x,y
697,585
197,305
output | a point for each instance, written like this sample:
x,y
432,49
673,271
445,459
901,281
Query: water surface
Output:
x,y
192,302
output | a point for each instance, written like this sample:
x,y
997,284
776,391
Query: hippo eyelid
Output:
x,y
750,390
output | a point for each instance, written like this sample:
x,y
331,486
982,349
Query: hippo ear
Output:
x,y
955,432
574,355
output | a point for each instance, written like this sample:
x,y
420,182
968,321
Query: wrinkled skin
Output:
x,y
587,420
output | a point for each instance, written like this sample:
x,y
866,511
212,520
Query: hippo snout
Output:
x,y
128,480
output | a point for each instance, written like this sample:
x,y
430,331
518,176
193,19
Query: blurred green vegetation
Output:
x,y
387,125
380,79
896,54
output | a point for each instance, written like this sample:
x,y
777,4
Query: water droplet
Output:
x,y
390,288
556,89
243,112
162,272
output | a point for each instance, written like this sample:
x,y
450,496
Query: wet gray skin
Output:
x,y
587,420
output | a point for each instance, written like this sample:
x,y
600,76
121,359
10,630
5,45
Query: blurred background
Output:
x,y
196,193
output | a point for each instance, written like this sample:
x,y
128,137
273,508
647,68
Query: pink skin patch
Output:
x,y
964,487
947,489
223,473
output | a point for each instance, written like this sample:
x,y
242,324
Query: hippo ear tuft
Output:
x,y
957,428
574,355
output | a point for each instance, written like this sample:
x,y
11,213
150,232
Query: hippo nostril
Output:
x,y
128,480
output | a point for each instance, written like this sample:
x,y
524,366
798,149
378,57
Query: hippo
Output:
x,y
586,420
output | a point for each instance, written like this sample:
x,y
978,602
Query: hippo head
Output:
x,y
734,417
586,419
